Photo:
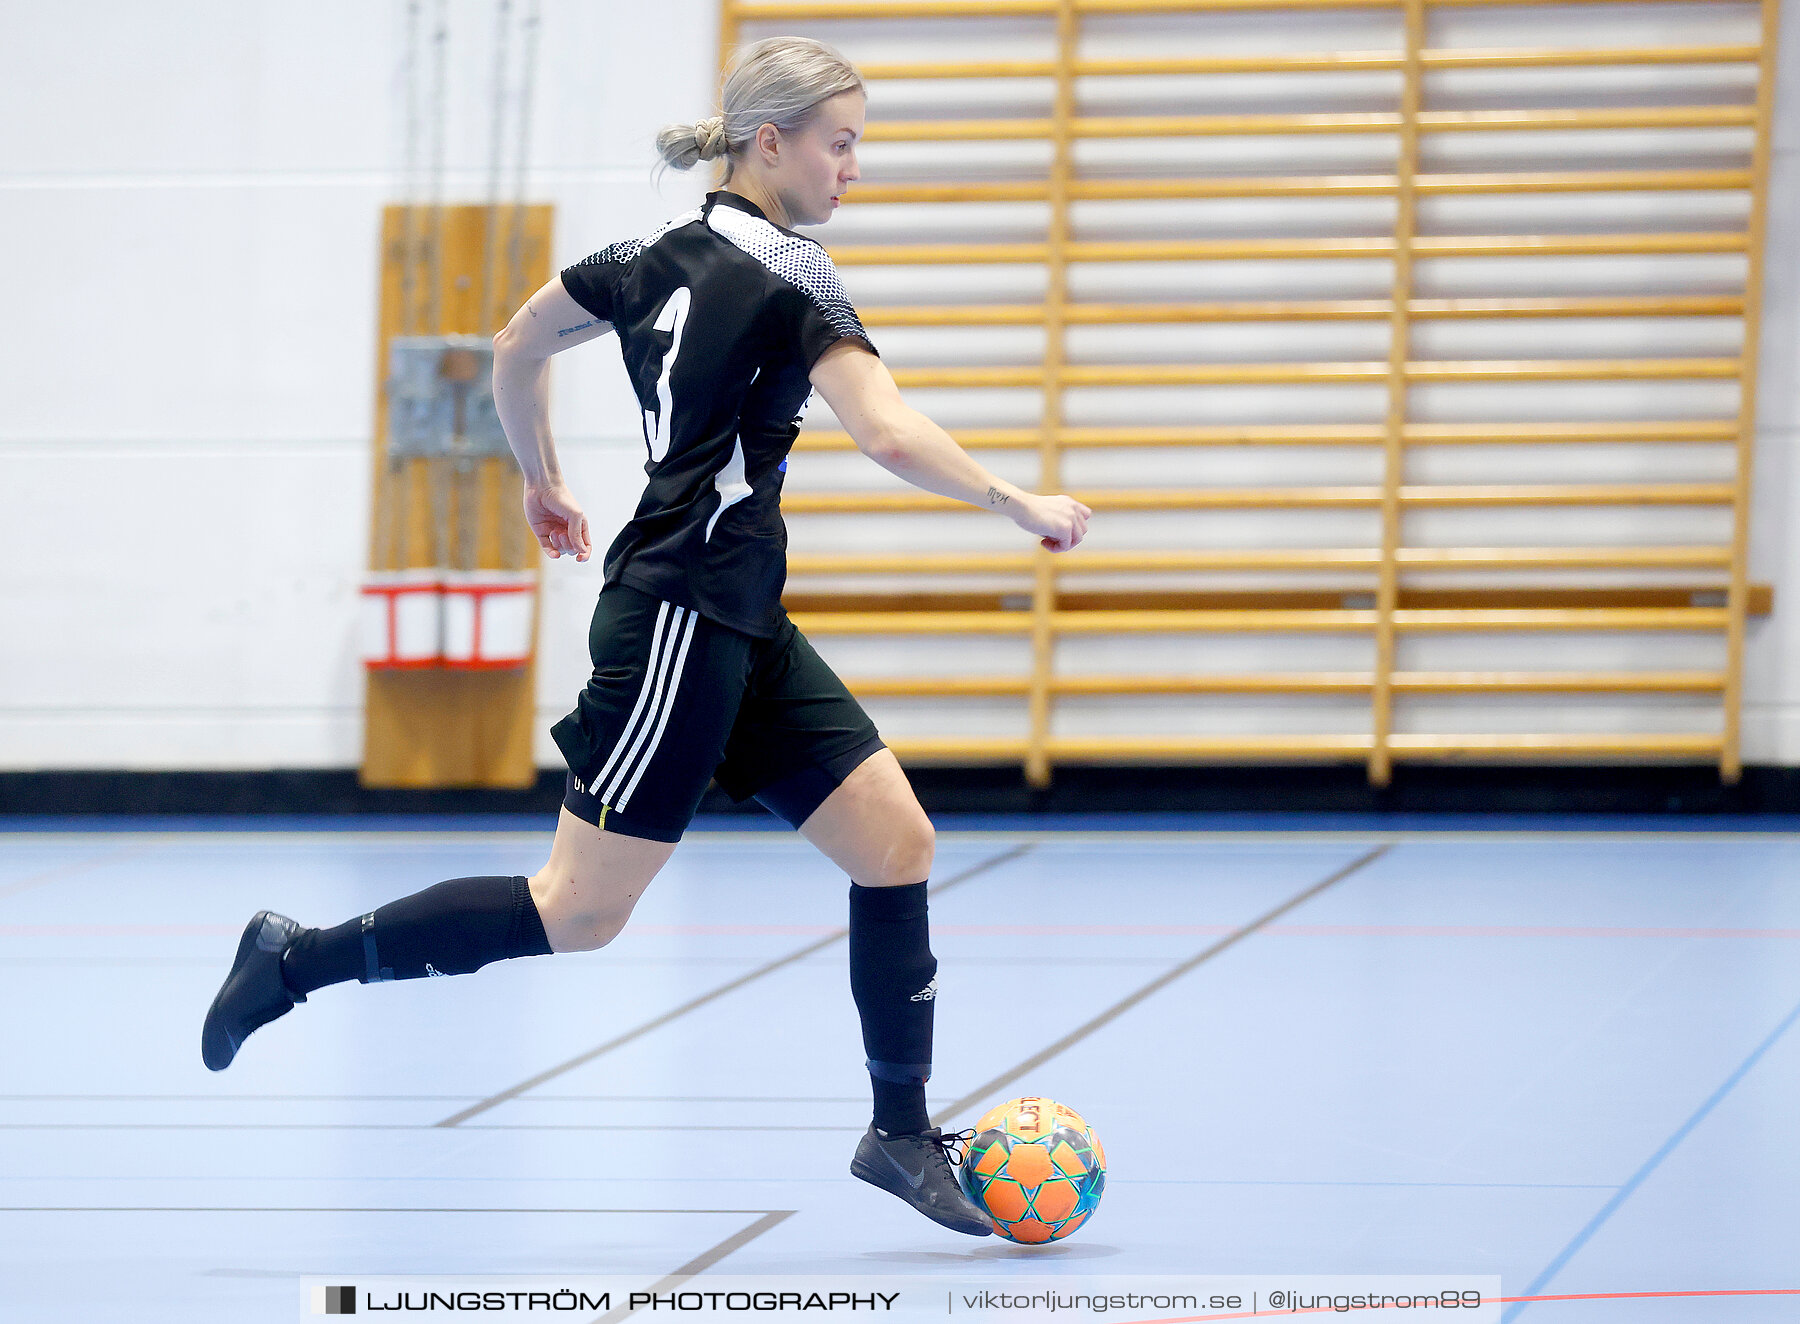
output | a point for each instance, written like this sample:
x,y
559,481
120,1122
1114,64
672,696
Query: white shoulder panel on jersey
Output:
x,y
798,261
626,249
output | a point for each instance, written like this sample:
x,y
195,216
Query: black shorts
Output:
x,y
677,700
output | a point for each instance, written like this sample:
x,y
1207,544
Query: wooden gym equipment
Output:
x,y
437,726
1395,602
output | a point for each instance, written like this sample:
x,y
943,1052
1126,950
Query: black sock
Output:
x,y
453,928
893,977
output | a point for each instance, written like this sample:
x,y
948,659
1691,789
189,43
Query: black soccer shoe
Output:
x,y
916,1168
253,994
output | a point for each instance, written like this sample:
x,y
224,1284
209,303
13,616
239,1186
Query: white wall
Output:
x,y
189,221
189,214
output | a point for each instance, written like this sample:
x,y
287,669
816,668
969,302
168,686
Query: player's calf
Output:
x,y
452,928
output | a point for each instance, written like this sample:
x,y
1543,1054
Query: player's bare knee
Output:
x,y
578,915
911,847
549,893
593,932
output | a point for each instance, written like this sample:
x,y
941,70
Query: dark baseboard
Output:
x,y
1306,788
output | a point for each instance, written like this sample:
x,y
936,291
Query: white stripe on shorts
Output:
x,y
650,670
668,680
687,637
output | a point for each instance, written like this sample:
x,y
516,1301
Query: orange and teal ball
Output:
x,y
1036,1168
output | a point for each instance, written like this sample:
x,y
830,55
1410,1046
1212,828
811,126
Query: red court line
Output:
x,y
1519,931
1498,1300
1352,931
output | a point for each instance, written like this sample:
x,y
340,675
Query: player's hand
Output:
x,y
561,528
1059,521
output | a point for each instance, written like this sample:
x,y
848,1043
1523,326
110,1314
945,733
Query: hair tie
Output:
x,y
710,135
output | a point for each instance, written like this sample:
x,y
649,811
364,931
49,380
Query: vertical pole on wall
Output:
x,y
1056,293
1387,589
728,35
1731,758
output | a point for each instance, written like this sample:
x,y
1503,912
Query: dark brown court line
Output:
x,y
513,1092
1125,1004
704,1261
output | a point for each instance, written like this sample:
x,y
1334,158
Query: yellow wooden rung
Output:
x,y
1543,370
1642,305
1229,498
1495,57
1316,62
1213,126
1484,619
1484,434
1300,310
1090,561
1560,744
1569,494
1282,498
1207,374
1594,181
1173,749
874,71
971,438
1163,749
1562,558
764,11
1545,682
1141,621
1636,117
1259,682
1340,434
1282,558
1146,190
1565,245
1318,682
1214,250
1015,314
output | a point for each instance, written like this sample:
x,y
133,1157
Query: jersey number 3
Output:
x,y
658,425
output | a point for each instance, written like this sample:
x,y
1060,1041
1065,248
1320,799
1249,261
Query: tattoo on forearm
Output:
x,y
996,497
529,308
571,330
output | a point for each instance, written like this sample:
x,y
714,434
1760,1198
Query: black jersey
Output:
x,y
721,315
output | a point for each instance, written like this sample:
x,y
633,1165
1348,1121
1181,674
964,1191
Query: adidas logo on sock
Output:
x,y
926,994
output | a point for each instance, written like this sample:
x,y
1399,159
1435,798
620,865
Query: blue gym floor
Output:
x,y
1569,1059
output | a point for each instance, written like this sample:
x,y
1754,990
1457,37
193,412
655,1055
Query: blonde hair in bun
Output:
x,y
779,81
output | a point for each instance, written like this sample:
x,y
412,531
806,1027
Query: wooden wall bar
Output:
x,y
435,727
1041,602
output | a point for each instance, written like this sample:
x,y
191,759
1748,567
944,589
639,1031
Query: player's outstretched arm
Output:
x,y
862,393
549,321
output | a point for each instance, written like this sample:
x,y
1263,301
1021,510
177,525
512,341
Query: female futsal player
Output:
x,y
727,320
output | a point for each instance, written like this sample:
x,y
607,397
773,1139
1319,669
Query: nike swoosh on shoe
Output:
x,y
915,1180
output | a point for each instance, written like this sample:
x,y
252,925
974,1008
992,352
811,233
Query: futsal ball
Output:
x,y
1036,1168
